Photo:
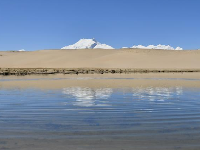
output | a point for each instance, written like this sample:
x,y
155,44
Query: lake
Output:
x,y
114,112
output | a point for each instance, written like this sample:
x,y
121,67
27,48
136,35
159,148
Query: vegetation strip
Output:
x,y
29,71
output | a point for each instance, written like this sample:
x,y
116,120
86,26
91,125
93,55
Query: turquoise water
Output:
x,y
166,117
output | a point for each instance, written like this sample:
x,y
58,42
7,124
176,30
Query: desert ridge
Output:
x,y
149,59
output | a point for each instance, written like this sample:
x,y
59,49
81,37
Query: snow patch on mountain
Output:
x,y
21,50
88,44
102,46
179,48
165,47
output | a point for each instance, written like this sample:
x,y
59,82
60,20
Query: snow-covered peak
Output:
x,y
88,44
165,47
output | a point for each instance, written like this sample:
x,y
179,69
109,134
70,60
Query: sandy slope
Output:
x,y
100,58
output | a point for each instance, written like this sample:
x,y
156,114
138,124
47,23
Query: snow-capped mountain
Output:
x,y
165,47
88,44
93,44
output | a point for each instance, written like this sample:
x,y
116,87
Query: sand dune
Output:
x,y
101,58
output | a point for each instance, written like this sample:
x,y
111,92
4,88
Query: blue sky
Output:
x,y
44,24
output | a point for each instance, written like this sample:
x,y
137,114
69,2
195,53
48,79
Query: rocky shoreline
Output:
x,y
29,71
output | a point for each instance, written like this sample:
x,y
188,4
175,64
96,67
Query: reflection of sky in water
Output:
x,y
88,97
156,93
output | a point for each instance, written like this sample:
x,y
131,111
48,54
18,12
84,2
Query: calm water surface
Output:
x,y
144,118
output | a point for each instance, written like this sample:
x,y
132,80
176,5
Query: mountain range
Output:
x,y
94,44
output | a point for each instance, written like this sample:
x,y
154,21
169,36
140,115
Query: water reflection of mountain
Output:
x,y
156,93
88,97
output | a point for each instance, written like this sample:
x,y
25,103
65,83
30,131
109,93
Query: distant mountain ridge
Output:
x,y
93,44
165,47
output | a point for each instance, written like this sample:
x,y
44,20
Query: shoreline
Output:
x,y
32,71
99,81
